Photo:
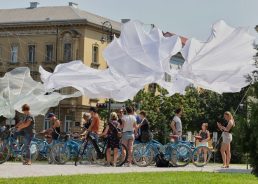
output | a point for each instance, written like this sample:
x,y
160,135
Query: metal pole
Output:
x,y
109,108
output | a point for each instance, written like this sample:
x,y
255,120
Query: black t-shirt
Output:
x,y
145,126
29,129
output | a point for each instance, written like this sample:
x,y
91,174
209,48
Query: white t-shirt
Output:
x,y
129,121
178,122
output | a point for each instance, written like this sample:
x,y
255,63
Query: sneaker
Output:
x,y
129,165
107,164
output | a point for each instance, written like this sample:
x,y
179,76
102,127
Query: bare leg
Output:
x,y
228,151
130,150
204,155
123,150
223,154
115,155
108,156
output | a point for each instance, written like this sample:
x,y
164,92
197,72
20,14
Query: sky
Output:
x,y
189,18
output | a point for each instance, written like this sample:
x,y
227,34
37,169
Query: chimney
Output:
x,y
124,20
34,5
72,4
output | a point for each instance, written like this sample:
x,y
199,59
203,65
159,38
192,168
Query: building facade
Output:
x,y
48,36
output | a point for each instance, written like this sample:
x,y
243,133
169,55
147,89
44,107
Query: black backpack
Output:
x,y
161,161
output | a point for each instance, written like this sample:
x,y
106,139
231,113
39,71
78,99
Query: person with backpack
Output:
x,y
111,131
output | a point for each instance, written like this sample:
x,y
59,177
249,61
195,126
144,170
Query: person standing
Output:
x,y
144,128
55,126
129,127
226,138
111,131
94,127
176,124
26,128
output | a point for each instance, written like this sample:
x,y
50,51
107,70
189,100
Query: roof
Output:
x,y
168,34
51,14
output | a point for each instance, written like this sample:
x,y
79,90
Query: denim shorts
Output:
x,y
128,136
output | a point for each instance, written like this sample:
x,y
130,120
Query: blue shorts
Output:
x,y
128,136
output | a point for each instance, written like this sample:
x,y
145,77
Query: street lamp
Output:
x,y
107,36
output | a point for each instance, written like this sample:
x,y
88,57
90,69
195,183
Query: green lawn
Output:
x,y
144,178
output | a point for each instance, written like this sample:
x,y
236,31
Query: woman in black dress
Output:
x,y
111,132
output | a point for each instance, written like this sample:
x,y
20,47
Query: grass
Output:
x,y
144,178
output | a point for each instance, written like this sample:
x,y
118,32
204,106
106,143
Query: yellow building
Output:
x,y
48,36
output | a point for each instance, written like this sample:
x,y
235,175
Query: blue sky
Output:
x,y
191,18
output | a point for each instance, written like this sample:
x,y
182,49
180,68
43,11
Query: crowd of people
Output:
x,y
127,126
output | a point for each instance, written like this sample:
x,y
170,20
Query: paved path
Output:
x,y
14,170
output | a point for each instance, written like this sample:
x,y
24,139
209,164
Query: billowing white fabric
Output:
x,y
90,82
223,62
18,88
139,57
135,59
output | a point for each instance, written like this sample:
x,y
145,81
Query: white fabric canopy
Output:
x,y
139,57
136,58
18,88
223,62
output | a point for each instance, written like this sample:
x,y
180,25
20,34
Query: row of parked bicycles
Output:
x,y
88,150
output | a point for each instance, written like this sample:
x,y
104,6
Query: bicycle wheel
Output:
x,y
143,155
4,152
60,153
86,155
34,152
201,156
122,155
181,155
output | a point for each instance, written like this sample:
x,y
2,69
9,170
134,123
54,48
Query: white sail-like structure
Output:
x,y
139,57
223,62
18,88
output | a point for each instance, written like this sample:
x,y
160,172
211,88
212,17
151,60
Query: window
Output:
x,y
95,54
152,88
46,124
31,54
1,53
167,77
14,54
49,53
67,52
68,123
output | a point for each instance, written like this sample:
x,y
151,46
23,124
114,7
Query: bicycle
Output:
x,y
62,152
178,153
11,147
144,153
201,155
93,151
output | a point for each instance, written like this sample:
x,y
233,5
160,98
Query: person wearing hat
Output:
x,y
56,125
111,131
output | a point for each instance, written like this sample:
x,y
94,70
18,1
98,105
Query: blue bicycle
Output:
x,y
144,153
62,152
9,146
178,153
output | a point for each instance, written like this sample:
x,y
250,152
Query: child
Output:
x,y
204,137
